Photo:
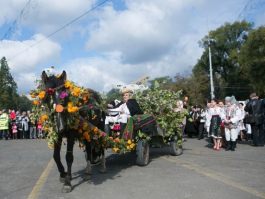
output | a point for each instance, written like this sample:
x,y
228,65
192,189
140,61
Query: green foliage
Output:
x,y
226,44
252,59
112,95
24,104
8,87
161,103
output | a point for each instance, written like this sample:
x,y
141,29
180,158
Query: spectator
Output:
x,y
4,122
25,125
19,124
215,116
231,122
255,108
14,130
202,120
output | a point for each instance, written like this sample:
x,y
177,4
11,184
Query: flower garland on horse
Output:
x,y
78,99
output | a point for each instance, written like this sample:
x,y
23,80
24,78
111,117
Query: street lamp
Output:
x,y
211,68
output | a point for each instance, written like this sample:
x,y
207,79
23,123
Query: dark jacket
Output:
x,y
133,107
255,109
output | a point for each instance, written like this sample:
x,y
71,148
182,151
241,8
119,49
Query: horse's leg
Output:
x,y
88,170
69,160
103,161
57,159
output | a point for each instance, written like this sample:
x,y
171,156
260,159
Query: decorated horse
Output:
x,y
71,112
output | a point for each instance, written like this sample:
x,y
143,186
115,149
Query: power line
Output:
x,y
61,28
11,30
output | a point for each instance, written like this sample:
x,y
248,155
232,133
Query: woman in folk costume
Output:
x,y
215,116
128,108
232,118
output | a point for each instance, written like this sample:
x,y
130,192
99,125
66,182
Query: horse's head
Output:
x,y
54,85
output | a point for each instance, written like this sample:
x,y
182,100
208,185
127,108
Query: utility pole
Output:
x,y
211,69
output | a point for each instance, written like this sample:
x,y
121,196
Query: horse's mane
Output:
x,y
95,95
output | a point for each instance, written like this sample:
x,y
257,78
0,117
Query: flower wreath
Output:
x,y
78,97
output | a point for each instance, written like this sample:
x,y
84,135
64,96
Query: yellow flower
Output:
x,y
70,104
132,145
128,147
68,84
115,149
42,94
129,142
72,109
76,91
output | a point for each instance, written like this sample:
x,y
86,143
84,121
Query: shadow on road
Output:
x,y
116,163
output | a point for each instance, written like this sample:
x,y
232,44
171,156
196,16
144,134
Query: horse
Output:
x,y
54,85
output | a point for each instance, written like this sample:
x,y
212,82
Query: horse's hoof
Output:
x,y
67,189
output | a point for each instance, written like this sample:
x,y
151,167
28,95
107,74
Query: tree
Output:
x,y
252,59
225,42
24,104
8,87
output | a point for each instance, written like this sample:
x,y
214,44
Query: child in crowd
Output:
x,y
14,130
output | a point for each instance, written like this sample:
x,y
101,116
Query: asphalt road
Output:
x,y
28,172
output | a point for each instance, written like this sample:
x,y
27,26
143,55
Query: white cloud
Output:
x,y
25,81
151,37
24,56
24,60
43,16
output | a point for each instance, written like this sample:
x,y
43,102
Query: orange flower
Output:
x,y
36,102
43,118
95,130
87,136
33,95
85,96
42,94
117,140
59,108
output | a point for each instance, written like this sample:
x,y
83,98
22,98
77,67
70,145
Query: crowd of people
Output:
x,y
229,121
19,125
225,122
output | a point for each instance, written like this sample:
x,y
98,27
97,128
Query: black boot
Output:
x,y
233,145
107,129
228,145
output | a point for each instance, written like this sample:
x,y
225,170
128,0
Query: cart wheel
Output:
x,y
142,153
175,150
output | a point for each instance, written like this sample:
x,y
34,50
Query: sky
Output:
x,y
115,43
